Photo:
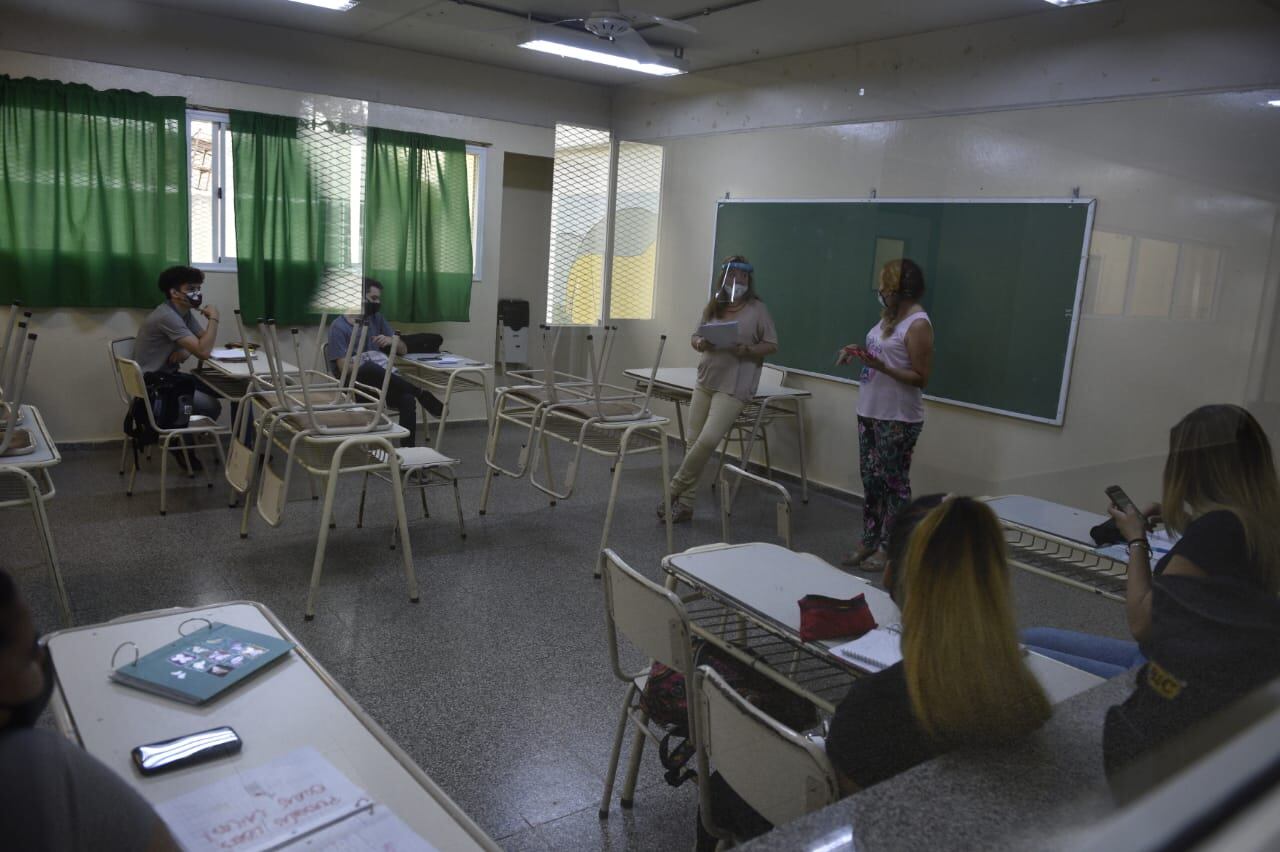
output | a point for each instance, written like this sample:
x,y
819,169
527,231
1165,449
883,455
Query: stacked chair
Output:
x,y
586,413
318,424
27,452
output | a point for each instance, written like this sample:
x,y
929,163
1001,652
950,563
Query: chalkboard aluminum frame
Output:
x,y
1060,418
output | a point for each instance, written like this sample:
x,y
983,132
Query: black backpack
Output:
x,y
170,397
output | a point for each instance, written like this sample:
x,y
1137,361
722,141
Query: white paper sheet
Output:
x,y
273,805
721,335
875,650
376,830
1160,540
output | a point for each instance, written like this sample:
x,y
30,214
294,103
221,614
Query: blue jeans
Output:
x,y
1100,655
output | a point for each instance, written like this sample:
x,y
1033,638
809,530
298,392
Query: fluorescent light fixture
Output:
x,y
1273,103
1072,2
573,45
335,5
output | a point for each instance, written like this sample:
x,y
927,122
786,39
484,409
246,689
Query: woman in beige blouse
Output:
x,y
727,376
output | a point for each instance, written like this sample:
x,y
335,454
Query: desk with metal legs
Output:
x,y
748,606
1053,541
293,704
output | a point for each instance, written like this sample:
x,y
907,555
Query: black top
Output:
x,y
1216,543
874,734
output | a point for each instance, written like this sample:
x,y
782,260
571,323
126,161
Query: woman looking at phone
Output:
x,y
897,360
1207,617
728,375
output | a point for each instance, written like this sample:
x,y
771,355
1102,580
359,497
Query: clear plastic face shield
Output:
x,y
734,282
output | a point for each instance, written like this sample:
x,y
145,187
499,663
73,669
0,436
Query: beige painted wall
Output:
x,y
71,380
1165,168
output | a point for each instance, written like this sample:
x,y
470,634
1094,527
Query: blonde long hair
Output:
x,y
1219,458
964,669
905,278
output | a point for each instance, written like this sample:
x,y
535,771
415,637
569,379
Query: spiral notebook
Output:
x,y
875,650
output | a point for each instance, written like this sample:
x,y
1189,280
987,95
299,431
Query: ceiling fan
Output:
x,y
619,27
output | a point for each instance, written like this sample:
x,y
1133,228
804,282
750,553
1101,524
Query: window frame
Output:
x,y
481,153
218,176
222,194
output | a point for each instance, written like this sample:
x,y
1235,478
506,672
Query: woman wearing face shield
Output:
x,y
727,376
897,360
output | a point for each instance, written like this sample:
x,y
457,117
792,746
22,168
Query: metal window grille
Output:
x,y
337,154
579,208
635,231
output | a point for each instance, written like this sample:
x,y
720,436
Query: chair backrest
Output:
x,y
728,493
651,617
780,773
11,402
130,374
16,315
121,347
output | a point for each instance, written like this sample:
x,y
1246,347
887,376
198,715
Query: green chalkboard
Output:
x,y
1003,282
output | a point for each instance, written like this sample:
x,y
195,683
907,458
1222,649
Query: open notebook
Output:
x,y
875,650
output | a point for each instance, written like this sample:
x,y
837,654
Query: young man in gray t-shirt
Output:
x,y
173,332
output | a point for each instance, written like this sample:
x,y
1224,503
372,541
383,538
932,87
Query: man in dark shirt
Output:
x,y
372,361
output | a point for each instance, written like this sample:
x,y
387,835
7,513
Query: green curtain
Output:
x,y
93,194
417,225
280,223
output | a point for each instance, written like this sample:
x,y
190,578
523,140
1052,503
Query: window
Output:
x,y
340,157
589,276
213,216
1141,276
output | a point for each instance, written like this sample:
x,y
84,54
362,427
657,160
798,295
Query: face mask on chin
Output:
x,y
371,308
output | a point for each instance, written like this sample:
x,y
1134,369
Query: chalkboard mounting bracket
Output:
x,y
873,192
1075,192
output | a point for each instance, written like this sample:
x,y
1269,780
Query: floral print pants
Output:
x,y
884,453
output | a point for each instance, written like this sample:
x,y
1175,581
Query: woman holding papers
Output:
x,y
897,360
1207,618
735,336
961,679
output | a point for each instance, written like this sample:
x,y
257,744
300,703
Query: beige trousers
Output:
x,y
710,416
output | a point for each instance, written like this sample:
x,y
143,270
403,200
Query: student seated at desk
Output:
x,y
1207,618
53,794
173,332
962,680
373,362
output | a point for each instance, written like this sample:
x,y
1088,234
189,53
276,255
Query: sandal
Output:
x,y
855,559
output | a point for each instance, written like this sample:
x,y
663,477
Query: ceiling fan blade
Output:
x,y
632,45
671,23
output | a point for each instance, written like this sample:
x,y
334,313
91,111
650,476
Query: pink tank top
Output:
x,y
882,397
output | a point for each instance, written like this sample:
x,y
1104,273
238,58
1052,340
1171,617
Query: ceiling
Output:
x,y
729,31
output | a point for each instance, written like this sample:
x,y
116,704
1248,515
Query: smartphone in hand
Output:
x,y
1122,502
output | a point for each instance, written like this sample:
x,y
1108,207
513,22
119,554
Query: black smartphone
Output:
x,y
188,750
1122,502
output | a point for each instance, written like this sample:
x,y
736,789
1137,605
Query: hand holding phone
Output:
x,y
1121,501
188,750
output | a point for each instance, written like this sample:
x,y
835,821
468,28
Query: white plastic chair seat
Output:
x,y
199,420
411,457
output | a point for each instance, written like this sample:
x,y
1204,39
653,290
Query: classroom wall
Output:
x,y
72,345
1194,170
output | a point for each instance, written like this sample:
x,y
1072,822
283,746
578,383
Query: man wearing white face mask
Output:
x,y
728,376
173,332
